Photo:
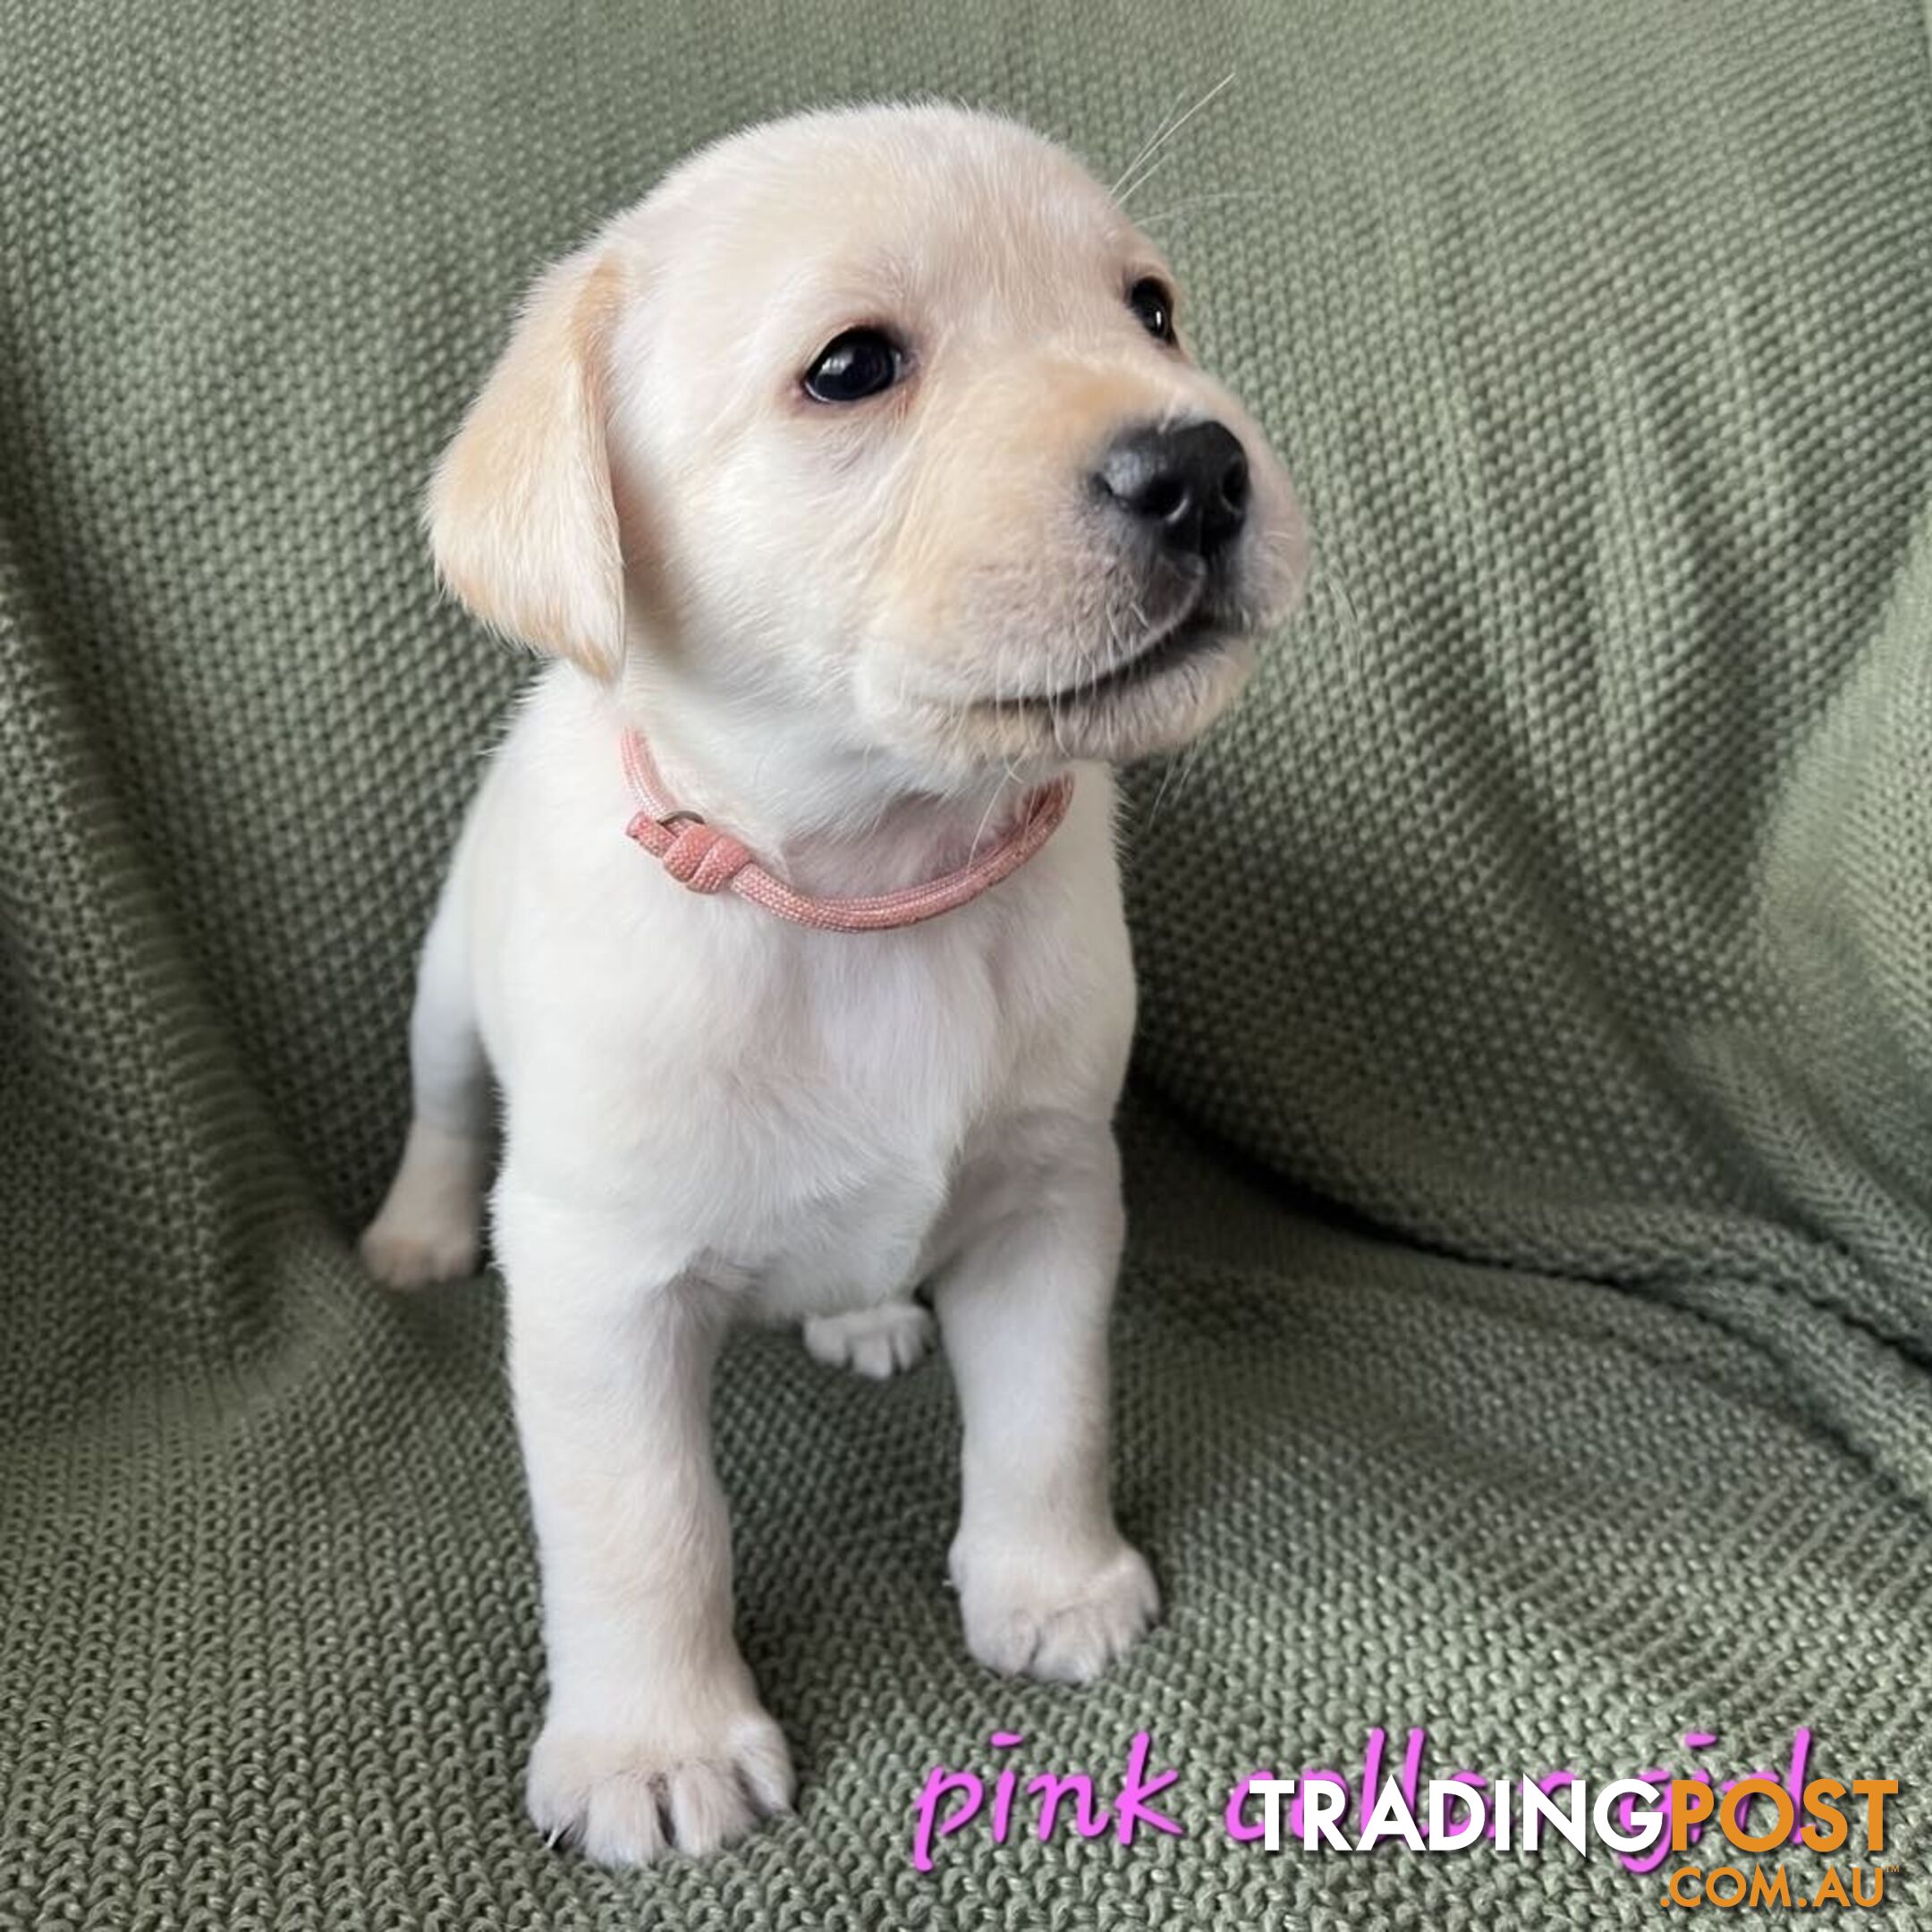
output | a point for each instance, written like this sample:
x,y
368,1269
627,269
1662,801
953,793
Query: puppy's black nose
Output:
x,y
1186,487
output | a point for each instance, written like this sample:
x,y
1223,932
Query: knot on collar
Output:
x,y
703,858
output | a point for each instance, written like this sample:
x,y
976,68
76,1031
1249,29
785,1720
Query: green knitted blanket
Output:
x,y
1526,1335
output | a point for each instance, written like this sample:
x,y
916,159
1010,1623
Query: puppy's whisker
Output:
x,y
1189,764
1153,159
1160,129
1327,574
986,818
1137,171
1168,770
1201,202
1174,783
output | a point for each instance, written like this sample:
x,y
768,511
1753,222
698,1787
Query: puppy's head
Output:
x,y
877,425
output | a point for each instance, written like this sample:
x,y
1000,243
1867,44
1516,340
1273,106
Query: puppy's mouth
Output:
x,y
1203,626
1167,650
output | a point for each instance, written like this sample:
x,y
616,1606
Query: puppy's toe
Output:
x,y
1040,1617
709,1807
619,1821
629,1801
875,1342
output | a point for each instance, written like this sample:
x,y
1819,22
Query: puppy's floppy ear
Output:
x,y
521,513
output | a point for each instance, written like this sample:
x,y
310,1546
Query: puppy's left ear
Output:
x,y
521,516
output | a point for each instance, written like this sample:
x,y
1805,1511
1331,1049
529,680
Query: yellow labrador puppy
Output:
x,y
861,484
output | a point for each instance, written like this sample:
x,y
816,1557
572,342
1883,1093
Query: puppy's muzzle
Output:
x,y
1184,489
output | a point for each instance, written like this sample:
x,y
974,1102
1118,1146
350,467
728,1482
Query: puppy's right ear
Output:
x,y
521,516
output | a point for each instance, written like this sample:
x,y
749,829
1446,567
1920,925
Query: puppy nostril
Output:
x,y
1161,496
1234,485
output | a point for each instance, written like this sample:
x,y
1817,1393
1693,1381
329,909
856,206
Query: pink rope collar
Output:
x,y
705,860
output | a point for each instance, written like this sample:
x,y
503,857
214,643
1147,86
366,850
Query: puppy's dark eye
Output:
x,y
852,367
1152,300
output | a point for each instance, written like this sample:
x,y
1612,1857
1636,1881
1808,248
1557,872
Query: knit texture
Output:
x,y
1527,1324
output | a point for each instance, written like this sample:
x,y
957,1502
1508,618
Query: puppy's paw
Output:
x,y
427,1228
1034,1613
626,1800
875,1342
401,1252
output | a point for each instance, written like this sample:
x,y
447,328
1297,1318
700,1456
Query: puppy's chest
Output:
x,y
858,1075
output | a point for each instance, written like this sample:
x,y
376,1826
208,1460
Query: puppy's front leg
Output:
x,y
654,1739
1048,1584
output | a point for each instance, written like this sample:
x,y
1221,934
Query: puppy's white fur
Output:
x,y
855,635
